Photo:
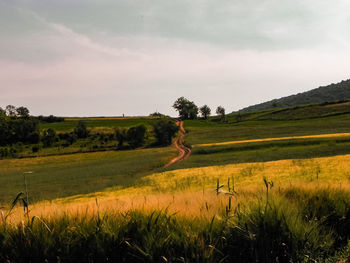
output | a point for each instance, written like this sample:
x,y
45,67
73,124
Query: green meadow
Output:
x,y
70,123
269,186
72,174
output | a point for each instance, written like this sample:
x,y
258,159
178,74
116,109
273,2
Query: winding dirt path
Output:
x,y
184,152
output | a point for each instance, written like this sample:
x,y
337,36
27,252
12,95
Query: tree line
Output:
x,y
18,128
189,111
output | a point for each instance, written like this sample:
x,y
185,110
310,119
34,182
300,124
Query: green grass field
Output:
x,y
273,200
71,123
66,175
200,132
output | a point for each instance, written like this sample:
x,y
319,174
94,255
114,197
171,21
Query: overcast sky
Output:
x,y
109,57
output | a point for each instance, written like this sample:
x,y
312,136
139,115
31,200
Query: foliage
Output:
x,y
2,112
22,112
11,111
81,131
187,109
48,138
50,119
121,135
164,131
205,111
14,130
221,112
69,137
136,136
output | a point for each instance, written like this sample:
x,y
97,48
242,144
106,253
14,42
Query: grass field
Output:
x,y
65,175
300,214
273,187
94,123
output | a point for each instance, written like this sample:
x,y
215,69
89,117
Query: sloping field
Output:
x,y
190,192
334,135
65,175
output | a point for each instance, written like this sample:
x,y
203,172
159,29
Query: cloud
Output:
x,y
113,57
251,24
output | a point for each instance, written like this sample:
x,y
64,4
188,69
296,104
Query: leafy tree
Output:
x,y
11,111
164,131
22,112
187,109
2,112
136,136
48,137
221,111
205,111
121,136
81,131
18,130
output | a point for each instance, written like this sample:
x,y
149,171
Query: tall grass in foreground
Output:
x,y
278,225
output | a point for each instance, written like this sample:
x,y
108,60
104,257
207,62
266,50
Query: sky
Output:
x,y
135,57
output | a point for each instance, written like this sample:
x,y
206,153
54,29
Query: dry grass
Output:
x,y
332,135
191,192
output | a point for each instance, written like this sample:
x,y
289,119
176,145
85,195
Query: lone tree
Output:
x,y
205,111
221,111
187,109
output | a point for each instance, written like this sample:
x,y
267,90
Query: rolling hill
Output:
x,y
330,93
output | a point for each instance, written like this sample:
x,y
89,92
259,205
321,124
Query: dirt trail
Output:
x,y
184,152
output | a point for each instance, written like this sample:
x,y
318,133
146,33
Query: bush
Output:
x,y
164,131
35,148
70,138
121,136
4,152
49,137
136,136
81,131
18,130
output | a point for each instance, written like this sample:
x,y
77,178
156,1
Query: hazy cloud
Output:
x,y
112,57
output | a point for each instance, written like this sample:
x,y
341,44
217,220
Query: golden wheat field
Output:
x,y
192,192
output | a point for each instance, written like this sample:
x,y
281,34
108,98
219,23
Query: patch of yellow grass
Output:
x,y
191,192
332,135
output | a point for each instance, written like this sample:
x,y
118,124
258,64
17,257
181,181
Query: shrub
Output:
x,y
136,136
121,136
35,148
164,131
70,137
48,137
81,131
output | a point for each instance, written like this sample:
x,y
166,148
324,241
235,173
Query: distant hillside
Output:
x,y
330,93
